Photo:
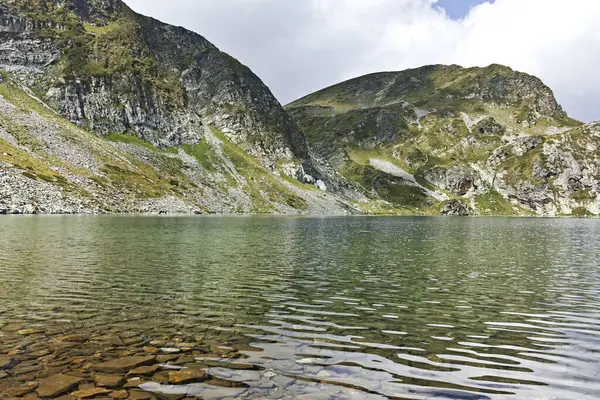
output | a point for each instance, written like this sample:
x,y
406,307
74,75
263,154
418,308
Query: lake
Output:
x,y
307,308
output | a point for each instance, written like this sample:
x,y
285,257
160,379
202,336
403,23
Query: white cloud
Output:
x,y
298,46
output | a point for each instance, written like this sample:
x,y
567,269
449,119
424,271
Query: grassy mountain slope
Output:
x,y
106,110
452,140
50,165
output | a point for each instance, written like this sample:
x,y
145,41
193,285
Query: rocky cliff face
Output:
x,y
456,141
50,165
105,110
106,68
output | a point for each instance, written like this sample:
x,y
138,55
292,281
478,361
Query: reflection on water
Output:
x,y
363,308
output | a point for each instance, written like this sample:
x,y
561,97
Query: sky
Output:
x,y
299,46
457,9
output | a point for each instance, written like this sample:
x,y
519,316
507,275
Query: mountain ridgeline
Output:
x,y
106,110
456,141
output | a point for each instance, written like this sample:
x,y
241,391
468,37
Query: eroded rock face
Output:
x,y
458,180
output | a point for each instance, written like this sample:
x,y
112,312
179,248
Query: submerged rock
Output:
x,y
72,338
124,364
109,381
56,385
119,394
187,375
7,362
89,393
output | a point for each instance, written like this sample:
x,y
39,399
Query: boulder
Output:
x,y
455,208
321,185
489,126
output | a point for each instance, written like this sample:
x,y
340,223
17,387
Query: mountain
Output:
x,y
103,109
455,141
106,110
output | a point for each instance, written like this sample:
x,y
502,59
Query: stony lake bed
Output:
x,y
141,308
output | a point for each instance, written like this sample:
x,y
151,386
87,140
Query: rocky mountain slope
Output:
x,y
104,67
49,165
452,140
103,109
106,110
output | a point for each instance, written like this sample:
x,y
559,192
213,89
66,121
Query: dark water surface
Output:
x,y
348,308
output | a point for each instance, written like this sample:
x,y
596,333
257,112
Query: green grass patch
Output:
x,y
581,212
203,153
492,203
129,139
261,186
32,167
297,183
584,195
24,102
388,187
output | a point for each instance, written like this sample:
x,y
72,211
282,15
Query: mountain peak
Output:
x,y
92,11
443,86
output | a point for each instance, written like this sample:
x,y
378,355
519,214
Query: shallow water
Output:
x,y
357,308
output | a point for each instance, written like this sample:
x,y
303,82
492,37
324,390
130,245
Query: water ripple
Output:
x,y
341,308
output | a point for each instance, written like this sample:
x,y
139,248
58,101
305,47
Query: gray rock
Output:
x,y
309,180
455,208
321,185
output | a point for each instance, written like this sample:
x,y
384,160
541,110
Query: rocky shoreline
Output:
x,y
116,363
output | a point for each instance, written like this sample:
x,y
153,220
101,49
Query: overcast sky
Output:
x,y
299,46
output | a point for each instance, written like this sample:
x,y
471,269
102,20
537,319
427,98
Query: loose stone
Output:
x,y
57,385
139,395
119,394
170,350
167,357
145,370
72,338
27,332
187,375
21,391
109,381
151,350
89,393
124,364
